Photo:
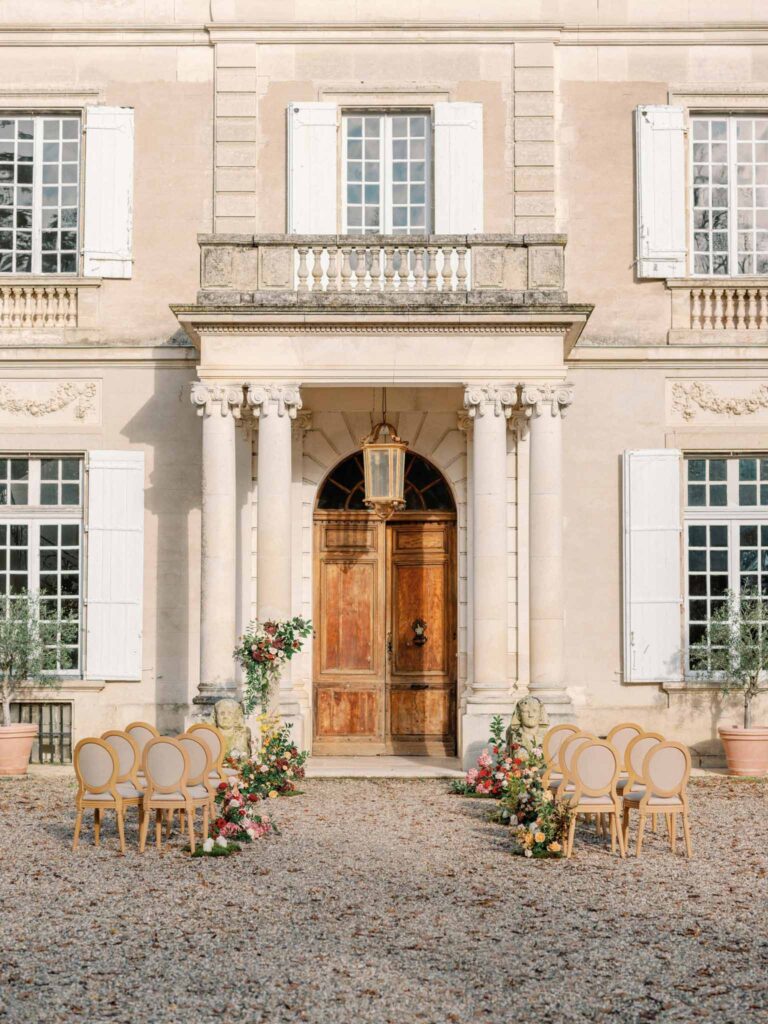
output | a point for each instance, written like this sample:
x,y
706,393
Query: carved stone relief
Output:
x,y
44,403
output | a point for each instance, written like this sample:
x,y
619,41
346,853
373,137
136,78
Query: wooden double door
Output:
x,y
385,634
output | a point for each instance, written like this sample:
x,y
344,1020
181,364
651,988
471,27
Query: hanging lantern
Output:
x,y
384,463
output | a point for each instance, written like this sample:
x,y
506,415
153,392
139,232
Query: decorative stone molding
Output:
x,y
228,398
80,396
463,421
303,422
285,399
690,397
534,398
360,327
480,397
38,305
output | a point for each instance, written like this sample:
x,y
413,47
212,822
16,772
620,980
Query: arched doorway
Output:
x,y
385,616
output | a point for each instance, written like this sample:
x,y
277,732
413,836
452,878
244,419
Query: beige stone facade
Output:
x,y
524,345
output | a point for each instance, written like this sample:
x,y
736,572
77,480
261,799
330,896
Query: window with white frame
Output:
x,y
41,516
39,193
726,534
729,194
386,158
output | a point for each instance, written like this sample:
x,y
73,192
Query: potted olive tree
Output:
x,y
735,653
31,649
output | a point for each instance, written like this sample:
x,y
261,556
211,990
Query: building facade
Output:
x,y
538,237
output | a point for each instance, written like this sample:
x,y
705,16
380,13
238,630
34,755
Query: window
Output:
x,y
39,194
53,743
387,173
425,487
730,195
41,544
726,534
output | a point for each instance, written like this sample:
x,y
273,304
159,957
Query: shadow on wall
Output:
x,y
168,427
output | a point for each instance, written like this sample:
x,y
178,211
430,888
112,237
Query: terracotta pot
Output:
x,y
746,750
15,747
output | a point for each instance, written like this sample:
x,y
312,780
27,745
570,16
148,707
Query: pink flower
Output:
x,y
472,776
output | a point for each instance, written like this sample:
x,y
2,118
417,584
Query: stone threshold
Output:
x,y
384,767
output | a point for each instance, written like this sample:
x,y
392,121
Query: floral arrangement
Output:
x,y
490,778
544,836
262,651
277,766
238,819
219,847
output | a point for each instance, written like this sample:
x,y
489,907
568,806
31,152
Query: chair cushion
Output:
x,y
128,790
196,792
654,801
230,771
590,801
215,776
104,797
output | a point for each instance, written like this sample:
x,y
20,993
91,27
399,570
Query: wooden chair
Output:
x,y
97,769
129,785
142,733
553,741
634,756
214,740
565,757
620,737
199,774
167,771
666,770
594,771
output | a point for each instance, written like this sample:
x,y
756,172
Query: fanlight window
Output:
x,y
425,487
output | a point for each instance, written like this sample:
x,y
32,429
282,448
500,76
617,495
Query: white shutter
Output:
x,y
108,213
458,168
653,600
660,146
115,564
313,161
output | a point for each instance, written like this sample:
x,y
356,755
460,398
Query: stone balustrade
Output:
x,y
242,269
38,305
722,306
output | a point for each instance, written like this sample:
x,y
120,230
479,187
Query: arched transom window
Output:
x,y
425,486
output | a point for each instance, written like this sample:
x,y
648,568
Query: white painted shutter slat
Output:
x,y
115,566
653,600
312,168
108,212
660,146
458,168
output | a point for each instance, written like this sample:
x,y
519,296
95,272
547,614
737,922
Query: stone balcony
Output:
x,y
379,271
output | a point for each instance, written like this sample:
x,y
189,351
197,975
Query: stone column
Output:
x,y
544,406
274,406
489,407
219,405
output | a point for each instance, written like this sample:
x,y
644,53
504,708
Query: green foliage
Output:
x,y
262,651
217,851
31,648
735,649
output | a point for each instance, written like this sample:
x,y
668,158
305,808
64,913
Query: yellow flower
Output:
x,y
273,794
528,839
554,847
539,837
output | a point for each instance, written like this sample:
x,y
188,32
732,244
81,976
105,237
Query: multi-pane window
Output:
x,y
387,173
726,535
39,194
41,545
730,195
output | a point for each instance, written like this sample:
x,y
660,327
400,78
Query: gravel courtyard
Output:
x,y
383,901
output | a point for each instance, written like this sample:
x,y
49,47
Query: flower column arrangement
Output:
x,y
262,651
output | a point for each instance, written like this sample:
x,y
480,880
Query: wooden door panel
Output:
x,y
348,592
419,591
420,713
353,713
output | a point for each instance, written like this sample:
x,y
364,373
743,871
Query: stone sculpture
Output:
x,y
228,716
528,723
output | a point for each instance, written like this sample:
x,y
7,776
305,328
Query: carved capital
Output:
x,y
463,421
303,422
208,399
538,398
265,399
496,399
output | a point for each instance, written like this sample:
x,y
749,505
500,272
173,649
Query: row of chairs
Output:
x,y
137,767
629,770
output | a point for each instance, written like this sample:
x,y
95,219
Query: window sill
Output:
x,y
75,684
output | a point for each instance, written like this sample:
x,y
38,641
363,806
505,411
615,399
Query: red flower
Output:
x,y
253,798
220,823
222,786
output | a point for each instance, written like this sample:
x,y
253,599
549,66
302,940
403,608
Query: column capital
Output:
x,y
208,398
283,399
498,399
535,398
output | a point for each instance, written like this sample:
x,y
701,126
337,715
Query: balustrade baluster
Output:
x,y
448,268
729,301
346,269
389,268
419,281
761,313
28,316
431,268
361,269
303,271
72,307
461,268
15,294
375,268
316,277
5,311
333,284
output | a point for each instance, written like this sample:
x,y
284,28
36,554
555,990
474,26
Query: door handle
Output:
x,y
419,628
389,645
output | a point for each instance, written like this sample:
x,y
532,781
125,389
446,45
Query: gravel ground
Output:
x,y
383,901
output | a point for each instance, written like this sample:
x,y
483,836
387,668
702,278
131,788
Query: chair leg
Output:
x,y
625,825
673,832
143,829
571,834
191,824
168,824
96,826
205,821
654,822
120,829
158,828
78,823
687,834
640,830
613,825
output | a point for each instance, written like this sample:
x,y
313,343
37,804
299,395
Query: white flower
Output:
x,y
533,827
528,853
264,769
208,845
537,751
222,841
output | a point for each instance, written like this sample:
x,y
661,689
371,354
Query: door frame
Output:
x,y
352,747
